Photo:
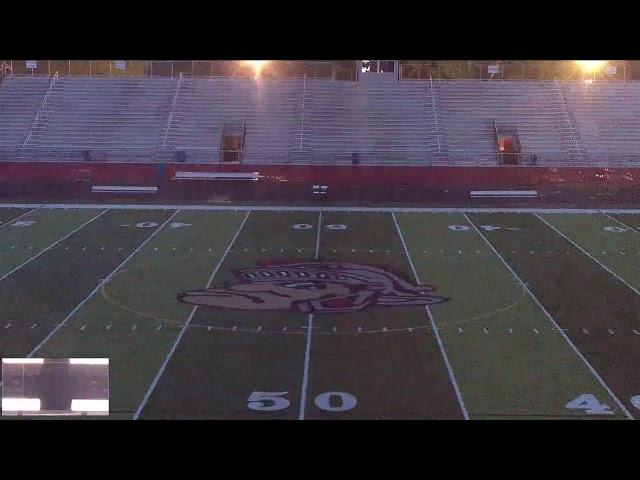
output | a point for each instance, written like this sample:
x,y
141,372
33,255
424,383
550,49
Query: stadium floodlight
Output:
x,y
21,404
257,65
590,66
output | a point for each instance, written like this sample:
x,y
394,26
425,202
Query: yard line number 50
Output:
x,y
327,401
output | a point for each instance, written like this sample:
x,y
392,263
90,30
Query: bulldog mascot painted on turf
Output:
x,y
314,287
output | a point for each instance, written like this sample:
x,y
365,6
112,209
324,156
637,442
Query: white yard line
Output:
x,y
105,280
307,353
52,245
160,372
286,208
8,222
551,319
621,223
602,265
452,376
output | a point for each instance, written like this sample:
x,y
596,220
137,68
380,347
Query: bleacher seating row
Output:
x,y
319,120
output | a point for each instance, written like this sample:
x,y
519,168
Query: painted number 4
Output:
x,y
590,404
328,401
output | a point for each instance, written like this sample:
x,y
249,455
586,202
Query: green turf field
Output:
x,y
532,314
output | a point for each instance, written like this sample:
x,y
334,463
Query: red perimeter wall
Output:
x,y
79,176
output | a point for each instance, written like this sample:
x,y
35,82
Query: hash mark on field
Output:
x,y
159,327
585,331
284,329
636,332
83,327
134,327
536,331
8,325
33,326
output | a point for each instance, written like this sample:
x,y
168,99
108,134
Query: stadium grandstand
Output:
x,y
370,113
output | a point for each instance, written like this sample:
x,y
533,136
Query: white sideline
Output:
x,y
102,282
307,353
287,208
156,379
452,375
551,319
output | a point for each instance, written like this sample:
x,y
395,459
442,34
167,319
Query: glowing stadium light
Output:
x,y
20,404
590,66
80,405
23,361
257,65
89,361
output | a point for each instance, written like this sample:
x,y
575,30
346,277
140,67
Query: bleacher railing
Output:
x,y
385,157
167,68
512,70
420,70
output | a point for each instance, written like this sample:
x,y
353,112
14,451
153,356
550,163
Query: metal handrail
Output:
x,y
171,111
435,114
45,99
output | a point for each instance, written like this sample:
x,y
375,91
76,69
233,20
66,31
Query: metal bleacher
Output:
x,y
468,109
272,110
313,120
20,101
607,114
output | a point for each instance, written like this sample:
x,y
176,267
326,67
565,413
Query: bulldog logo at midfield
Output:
x,y
314,287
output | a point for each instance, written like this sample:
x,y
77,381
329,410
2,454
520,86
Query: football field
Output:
x,y
332,313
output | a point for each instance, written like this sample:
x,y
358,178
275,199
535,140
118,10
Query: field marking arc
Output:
x,y
100,284
162,368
